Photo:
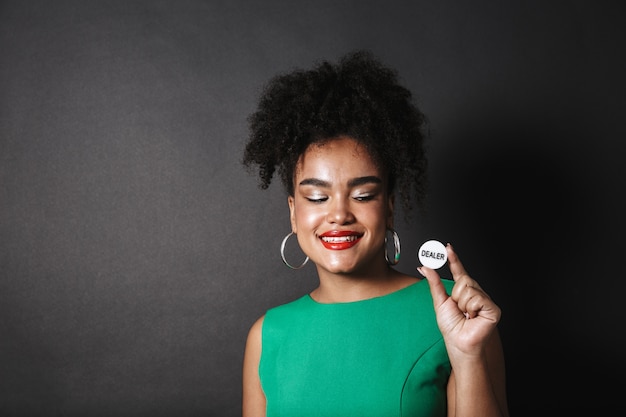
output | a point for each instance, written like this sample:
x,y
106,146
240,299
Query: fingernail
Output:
x,y
419,269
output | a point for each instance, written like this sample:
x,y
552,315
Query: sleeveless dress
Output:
x,y
380,357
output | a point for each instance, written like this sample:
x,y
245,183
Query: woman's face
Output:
x,y
340,209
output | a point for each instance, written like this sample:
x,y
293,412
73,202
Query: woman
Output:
x,y
369,340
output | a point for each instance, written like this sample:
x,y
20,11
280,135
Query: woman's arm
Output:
x,y
479,387
253,397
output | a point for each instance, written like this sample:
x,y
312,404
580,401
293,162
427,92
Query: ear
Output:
x,y
292,213
390,207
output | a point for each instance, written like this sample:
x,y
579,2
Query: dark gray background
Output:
x,y
135,251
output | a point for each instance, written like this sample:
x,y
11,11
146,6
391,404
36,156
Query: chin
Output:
x,y
341,267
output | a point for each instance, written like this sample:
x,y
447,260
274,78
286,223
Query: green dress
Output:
x,y
380,357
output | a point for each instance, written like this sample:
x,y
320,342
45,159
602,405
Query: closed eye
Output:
x,y
317,199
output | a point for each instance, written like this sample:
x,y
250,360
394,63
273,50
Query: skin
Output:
x,y
339,189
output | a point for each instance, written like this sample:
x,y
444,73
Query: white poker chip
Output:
x,y
432,254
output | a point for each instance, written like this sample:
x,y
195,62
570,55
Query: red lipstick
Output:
x,y
340,239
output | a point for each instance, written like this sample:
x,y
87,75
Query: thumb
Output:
x,y
437,290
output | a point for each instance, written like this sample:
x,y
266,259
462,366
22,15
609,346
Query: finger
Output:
x,y
477,303
471,302
437,290
456,267
459,274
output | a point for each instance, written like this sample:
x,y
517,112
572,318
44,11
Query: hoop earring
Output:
x,y
396,245
282,254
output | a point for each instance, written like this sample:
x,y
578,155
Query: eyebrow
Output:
x,y
371,179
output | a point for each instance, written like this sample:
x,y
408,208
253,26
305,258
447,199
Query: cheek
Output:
x,y
308,216
375,218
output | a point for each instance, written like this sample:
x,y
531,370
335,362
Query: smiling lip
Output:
x,y
340,239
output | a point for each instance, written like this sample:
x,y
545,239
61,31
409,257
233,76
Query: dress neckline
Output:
x,y
365,300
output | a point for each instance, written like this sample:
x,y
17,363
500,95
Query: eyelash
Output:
x,y
362,198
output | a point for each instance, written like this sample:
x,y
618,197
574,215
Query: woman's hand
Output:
x,y
468,316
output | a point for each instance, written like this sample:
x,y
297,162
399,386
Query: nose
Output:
x,y
339,212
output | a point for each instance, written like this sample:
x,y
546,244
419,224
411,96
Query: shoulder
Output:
x,y
448,284
289,309
256,327
274,315
255,332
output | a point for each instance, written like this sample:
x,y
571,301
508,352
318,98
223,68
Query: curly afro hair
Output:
x,y
358,97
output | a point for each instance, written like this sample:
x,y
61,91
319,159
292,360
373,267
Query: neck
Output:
x,y
337,288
